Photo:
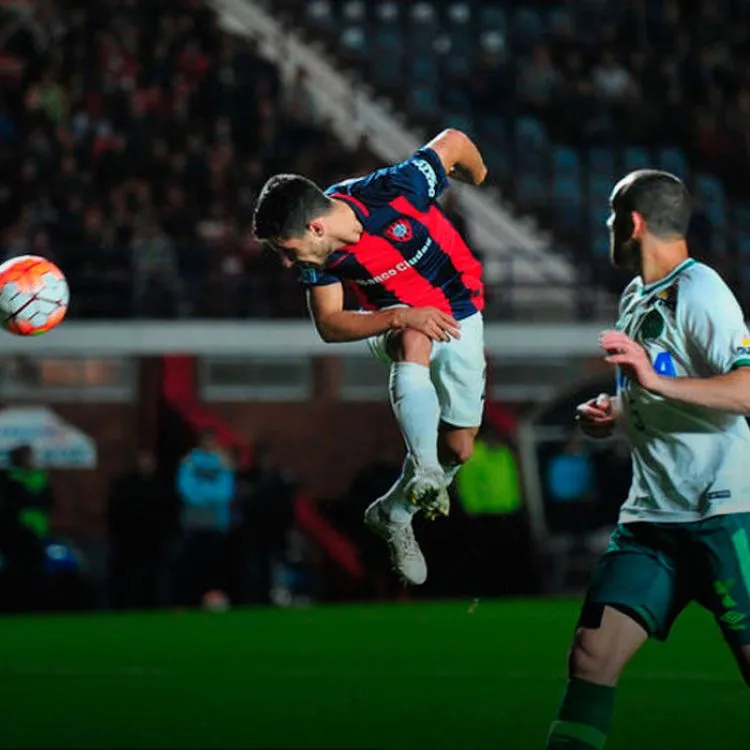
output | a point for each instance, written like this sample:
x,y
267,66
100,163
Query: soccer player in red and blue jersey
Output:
x,y
421,296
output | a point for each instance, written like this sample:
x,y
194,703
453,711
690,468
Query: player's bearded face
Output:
x,y
311,249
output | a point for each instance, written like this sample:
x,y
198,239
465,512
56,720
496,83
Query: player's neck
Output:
x,y
346,225
660,260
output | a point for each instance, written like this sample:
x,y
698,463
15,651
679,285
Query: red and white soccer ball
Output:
x,y
34,295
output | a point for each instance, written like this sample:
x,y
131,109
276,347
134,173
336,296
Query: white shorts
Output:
x,y
457,368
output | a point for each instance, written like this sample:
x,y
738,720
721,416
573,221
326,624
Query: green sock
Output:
x,y
585,717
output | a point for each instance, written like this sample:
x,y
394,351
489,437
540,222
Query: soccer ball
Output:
x,y
34,295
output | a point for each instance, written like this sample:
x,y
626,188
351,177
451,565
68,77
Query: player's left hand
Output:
x,y
631,357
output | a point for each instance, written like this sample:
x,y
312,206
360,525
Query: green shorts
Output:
x,y
654,570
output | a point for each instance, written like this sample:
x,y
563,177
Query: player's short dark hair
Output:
x,y
660,198
286,205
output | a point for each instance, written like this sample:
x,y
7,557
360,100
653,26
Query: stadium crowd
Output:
x,y
564,95
134,137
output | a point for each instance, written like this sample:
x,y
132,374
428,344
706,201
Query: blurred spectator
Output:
x,y
148,118
265,499
495,527
612,80
206,487
570,481
539,81
489,482
25,503
141,526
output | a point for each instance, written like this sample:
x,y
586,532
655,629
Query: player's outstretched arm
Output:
x,y
335,324
729,392
459,156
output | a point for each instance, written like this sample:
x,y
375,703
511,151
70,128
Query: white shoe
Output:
x,y
427,490
407,558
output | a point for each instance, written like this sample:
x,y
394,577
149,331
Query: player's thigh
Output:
x,y
459,371
721,556
638,576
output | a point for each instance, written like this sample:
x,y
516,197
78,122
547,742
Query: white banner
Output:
x,y
56,443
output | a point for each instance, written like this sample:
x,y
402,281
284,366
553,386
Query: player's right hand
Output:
x,y
597,416
433,323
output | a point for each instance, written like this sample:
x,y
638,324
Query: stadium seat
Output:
x,y
494,129
458,65
598,215
710,192
599,189
492,17
635,157
498,161
743,248
673,160
387,70
741,219
460,121
423,68
527,25
456,99
567,201
530,133
421,37
602,161
531,190
387,41
565,163
600,245
424,100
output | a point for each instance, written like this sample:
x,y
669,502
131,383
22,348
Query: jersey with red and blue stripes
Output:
x,y
410,253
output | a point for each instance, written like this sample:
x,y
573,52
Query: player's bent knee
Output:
x,y
461,446
410,346
592,659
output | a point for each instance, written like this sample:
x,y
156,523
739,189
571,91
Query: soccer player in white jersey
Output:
x,y
682,352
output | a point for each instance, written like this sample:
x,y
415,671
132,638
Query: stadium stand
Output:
x,y
567,95
134,137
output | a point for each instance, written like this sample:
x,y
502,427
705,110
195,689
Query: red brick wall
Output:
x,y
80,495
322,443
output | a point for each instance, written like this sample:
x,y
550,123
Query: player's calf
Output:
x,y
597,657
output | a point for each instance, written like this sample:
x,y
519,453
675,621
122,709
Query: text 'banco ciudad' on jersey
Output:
x,y
410,253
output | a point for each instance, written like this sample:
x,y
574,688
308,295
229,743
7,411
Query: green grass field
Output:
x,y
407,676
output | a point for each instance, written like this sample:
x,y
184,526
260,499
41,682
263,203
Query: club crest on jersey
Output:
x,y
399,231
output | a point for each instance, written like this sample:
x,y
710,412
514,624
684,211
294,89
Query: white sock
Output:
x,y
415,403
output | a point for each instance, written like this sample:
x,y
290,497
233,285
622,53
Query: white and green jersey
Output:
x,y
689,462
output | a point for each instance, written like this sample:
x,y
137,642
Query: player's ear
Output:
x,y
639,225
317,227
